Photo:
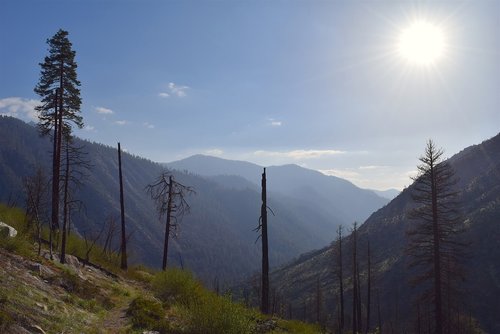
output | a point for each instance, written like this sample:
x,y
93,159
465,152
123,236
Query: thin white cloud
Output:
x,y
104,111
89,128
19,107
174,90
274,123
298,154
342,173
122,122
215,152
148,125
372,167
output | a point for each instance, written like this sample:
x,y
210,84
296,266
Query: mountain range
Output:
x,y
216,239
478,170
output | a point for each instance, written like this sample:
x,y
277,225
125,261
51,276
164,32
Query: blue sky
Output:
x,y
316,83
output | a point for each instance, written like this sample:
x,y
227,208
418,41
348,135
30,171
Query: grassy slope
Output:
x,y
38,293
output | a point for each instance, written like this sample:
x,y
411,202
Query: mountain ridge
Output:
x,y
224,209
478,168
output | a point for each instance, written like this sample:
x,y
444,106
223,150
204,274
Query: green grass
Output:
x,y
183,304
294,326
176,286
148,314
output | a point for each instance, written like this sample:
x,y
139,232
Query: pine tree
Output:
x,y
59,90
433,241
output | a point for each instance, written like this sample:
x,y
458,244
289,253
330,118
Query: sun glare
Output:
x,y
421,43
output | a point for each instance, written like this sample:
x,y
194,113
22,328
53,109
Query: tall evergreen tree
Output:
x,y
433,241
59,90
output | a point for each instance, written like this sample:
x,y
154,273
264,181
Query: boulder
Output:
x,y
72,261
7,231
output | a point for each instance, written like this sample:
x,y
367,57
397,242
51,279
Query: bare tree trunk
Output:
x,y
167,227
368,291
265,256
65,206
354,283
55,178
358,306
122,211
340,277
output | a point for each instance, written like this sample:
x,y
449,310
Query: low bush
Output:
x,y
214,314
176,286
147,314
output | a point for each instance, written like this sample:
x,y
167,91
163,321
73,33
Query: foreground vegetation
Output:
x,y
40,294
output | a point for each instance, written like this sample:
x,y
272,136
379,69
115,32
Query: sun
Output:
x,y
422,43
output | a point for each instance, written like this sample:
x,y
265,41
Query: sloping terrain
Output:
x,y
216,239
478,168
39,295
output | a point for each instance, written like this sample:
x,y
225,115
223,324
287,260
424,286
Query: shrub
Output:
x,y
176,286
214,314
147,314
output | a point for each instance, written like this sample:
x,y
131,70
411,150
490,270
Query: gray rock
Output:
x,y
72,261
7,231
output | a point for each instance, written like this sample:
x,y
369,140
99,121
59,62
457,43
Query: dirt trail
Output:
x,y
116,320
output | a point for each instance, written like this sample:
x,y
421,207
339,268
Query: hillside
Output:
x,y
41,296
215,240
478,168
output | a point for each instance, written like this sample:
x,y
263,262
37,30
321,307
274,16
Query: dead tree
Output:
x,y
90,242
262,228
36,190
170,199
111,228
368,290
356,302
123,250
340,275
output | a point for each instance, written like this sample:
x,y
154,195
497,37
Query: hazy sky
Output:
x,y
316,83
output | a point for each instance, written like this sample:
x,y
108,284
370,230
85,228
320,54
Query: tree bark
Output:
x,y
55,183
122,211
167,227
65,206
265,256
